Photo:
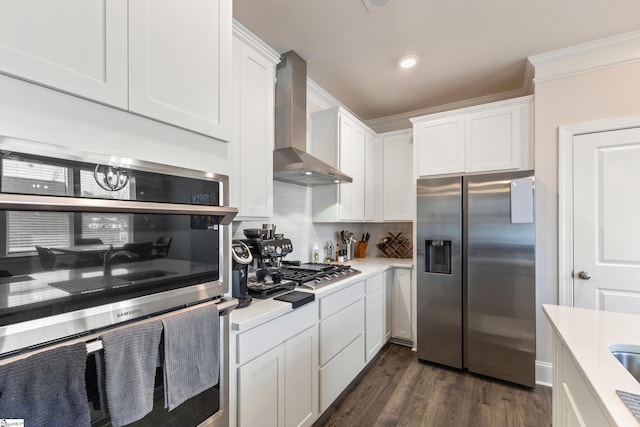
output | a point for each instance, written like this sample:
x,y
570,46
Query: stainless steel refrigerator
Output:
x,y
476,274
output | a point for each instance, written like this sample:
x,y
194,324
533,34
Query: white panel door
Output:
x,y
369,176
402,304
493,139
374,323
301,378
180,63
439,146
261,390
76,46
351,195
606,223
399,192
253,132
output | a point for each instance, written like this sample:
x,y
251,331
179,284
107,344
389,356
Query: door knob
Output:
x,y
584,275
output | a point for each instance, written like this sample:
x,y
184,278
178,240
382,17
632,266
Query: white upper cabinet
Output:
x,y
439,145
340,140
253,125
76,46
156,58
398,185
180,63
370,149
351,162
491,137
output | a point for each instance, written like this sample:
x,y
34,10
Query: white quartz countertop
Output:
x,y
263,310
588,335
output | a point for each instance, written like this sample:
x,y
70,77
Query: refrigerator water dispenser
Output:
x,y
437,256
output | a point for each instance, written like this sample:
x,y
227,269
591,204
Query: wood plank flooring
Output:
x,y
398,390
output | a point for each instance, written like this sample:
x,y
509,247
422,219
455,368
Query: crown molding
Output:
x,y
595,55
402,121
242,33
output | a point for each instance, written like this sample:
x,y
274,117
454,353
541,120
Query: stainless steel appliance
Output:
x,y
476,274
291,161
264,278
315,275
92,241
241,258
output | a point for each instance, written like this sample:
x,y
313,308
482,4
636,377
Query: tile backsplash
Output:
x,y
292,215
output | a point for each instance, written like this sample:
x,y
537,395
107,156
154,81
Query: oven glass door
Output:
x,y
55,261
190,413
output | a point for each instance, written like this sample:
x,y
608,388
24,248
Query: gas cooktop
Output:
x,y
315,276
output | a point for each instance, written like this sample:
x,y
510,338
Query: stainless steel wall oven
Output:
x,y
92,242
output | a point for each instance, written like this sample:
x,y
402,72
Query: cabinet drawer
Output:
x,y
374,283
268,335
337,374
341,299
340,329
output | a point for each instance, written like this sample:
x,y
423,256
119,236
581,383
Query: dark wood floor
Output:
x,y
398,390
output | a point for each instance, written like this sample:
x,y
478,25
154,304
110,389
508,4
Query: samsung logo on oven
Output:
x,y
129,312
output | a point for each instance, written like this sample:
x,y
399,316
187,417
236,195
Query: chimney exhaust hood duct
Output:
x,y
291,162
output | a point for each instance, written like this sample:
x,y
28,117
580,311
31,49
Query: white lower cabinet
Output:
x,y
573,403
277,375
401,324
342,342
292,368
374,316
388,303
261,390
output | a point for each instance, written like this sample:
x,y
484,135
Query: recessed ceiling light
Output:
x,y
408,61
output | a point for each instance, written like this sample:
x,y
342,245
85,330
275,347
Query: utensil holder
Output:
x,y
361,250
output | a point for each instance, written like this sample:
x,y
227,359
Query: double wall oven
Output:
x,y
94,242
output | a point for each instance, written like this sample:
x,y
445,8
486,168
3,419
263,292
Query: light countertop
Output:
x,y
588,335
263,310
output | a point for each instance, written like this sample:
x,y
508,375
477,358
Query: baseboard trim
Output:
x,y
544,373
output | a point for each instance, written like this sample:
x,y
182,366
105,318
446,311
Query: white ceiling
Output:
x,y
468,48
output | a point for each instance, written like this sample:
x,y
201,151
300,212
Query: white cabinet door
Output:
x,y
337,134
76,46
402,304
369,175
439,146
336,375
493,139
398,178
388,303
180,63
261,387
374,324
253,130
301,379
352,153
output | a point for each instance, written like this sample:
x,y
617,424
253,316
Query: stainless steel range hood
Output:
x,y
291,162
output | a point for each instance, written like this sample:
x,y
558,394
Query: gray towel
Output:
x,y
191,346
130,358
46,388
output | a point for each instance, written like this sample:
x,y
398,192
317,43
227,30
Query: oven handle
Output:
x,y
75,204
225,306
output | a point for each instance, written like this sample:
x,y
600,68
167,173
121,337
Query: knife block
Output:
x,y
361,250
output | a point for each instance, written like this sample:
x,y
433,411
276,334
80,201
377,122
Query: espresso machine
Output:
x,y
242,258
264,277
